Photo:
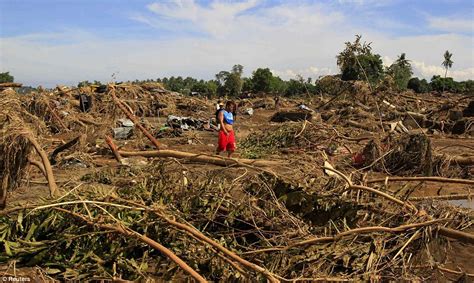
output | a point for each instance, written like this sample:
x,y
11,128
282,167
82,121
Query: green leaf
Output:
x,y
52,271
31,231
8,251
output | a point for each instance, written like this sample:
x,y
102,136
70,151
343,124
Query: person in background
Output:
x,y
219,108
226,140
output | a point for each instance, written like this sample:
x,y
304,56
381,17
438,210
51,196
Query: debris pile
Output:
x,y
116,197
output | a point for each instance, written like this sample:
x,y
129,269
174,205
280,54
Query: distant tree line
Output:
x,y
356,62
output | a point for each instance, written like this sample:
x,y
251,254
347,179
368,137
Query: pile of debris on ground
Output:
x,y
178,216
160,221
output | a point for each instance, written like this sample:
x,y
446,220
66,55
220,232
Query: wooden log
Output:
x,y
443,197
114,149
2,85
457,235
463,160
134,119
201,158
53,188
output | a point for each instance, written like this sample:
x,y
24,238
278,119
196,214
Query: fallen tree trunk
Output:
x,y
134,119
53,188
114,149
2,85
457,235
463,160
202,158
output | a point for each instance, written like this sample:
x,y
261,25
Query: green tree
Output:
x,y
441,84
401,72
205,88
262,80
278,85
6,77
418,86
230,83
295,87
447,63
357,62
84,83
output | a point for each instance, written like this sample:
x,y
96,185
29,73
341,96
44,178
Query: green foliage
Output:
x,y
230,83
208,88
87,83
401,72
262,80
299,87
467,86
357,62
6,77
419,86
440,84
447,63
295,87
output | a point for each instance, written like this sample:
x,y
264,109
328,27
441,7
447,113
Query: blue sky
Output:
x,y
65,41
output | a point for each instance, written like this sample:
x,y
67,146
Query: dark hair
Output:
x,y
231,104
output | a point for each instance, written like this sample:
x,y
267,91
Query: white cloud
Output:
x,y
292,38
429,71
451,24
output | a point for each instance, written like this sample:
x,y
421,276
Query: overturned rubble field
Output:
x,y
121,182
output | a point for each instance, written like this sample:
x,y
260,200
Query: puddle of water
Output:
x,y
463,203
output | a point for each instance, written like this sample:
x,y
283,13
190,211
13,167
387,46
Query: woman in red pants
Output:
x,y
226,132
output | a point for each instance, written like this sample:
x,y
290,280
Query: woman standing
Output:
x,y
226,133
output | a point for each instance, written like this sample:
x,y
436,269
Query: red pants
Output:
x,y
226,142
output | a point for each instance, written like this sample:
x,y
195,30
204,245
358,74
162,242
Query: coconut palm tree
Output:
x,y
447,63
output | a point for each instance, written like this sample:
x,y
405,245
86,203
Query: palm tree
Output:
x,y
402,61
447,63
